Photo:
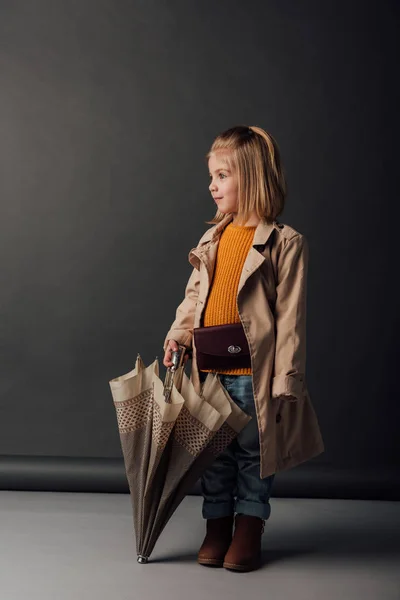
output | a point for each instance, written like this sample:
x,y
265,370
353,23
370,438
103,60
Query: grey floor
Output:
x,y
59,546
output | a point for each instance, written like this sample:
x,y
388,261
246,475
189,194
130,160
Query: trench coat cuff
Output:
x,y
288,385
182,338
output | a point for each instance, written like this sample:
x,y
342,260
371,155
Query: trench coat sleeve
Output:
x,y
181,329
290,320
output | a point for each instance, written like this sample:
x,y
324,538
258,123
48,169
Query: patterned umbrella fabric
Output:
x,y
169,436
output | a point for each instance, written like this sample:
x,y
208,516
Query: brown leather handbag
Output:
x,y
221,347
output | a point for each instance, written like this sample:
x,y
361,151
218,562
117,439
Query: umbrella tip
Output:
x,y
142,559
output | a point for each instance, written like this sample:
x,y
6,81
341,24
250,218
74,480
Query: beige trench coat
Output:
x,y
271,300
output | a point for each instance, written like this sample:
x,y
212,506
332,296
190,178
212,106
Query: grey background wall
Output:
x,y
106,111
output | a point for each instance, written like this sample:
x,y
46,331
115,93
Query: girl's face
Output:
x,y
223,185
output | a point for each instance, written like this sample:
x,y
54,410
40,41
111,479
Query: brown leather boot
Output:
x,y
216,542
244,553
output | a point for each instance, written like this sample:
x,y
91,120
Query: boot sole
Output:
x,y
210,562
242,568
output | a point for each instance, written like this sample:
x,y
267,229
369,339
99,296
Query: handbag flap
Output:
x,y
216,339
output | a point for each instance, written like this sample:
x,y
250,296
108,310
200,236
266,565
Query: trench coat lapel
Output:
x,y
207,249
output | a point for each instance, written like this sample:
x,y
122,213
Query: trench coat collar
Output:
x,y
206,250
261,234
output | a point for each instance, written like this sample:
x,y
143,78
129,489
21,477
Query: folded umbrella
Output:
x,y
169,436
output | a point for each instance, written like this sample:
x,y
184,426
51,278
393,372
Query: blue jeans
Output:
x,y
232,484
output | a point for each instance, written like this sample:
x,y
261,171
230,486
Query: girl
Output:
x,y
250,269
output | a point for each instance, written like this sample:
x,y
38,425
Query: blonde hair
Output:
x,y
253,154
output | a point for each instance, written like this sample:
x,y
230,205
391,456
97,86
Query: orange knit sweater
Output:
x,y
221,306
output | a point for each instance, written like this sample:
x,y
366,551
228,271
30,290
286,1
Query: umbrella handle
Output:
x,y
177,360
177,357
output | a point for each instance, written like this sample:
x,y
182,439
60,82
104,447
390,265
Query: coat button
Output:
x,y
278,418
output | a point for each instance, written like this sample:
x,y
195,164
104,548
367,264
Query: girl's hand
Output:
x,y
173,347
